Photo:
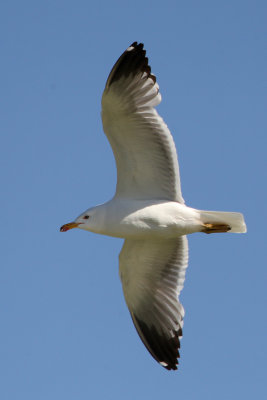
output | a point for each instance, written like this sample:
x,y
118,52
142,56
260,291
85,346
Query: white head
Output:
x,y
90,220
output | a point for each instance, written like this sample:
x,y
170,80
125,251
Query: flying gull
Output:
x,y
148,209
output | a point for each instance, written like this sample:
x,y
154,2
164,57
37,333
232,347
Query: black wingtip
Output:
x,y
132,61
135,44
163,349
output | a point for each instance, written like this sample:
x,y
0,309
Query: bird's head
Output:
x,y
86,221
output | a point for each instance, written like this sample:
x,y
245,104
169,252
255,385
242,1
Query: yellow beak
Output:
x,y
69,226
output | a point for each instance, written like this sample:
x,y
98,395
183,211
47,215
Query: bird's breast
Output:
x,y
130,219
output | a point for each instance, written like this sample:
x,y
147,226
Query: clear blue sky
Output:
x,y
65,330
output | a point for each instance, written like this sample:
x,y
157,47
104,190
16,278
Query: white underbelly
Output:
x,y
143,219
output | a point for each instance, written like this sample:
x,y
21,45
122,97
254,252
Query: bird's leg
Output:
x,y
215,228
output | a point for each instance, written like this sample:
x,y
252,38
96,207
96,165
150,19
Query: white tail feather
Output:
x,y
233,219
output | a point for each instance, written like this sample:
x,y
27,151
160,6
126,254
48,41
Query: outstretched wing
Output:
x,y
142,144
152,274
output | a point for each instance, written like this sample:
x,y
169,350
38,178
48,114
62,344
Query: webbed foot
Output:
x,y
216,228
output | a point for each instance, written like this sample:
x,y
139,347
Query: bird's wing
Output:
x,y
142,144
152,274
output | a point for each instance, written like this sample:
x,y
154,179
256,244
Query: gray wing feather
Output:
x,y
142,144
152,274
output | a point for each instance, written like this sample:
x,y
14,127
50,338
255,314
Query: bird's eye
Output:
x,y
86,217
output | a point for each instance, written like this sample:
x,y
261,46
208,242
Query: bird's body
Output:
x,y
143,218
148,209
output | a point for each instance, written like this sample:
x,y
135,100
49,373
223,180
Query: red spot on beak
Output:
x,y
69,226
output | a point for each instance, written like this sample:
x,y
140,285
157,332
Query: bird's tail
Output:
x,y
220,221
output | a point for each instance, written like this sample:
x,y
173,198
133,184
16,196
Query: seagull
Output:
x,y
148,209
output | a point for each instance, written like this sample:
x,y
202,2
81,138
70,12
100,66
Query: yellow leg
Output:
x,y
215,228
